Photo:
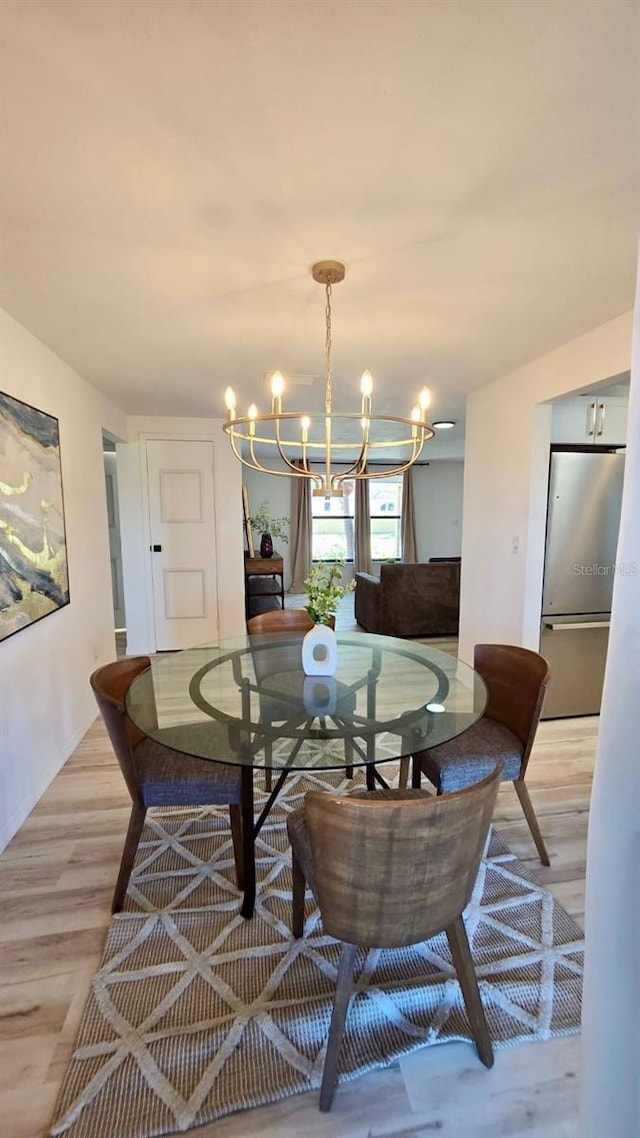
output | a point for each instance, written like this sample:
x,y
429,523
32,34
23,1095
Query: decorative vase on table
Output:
x,y
324,593
320,651
266,545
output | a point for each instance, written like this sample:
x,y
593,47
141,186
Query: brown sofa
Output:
x,y
416,599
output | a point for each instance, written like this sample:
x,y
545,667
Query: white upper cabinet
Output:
x,y
600,420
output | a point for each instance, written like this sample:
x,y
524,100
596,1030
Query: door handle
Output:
x,y
155,548
557,626
601,410
591,419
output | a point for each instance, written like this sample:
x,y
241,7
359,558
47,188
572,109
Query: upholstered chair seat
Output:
x,y
472,756
516,680
156,774
168,778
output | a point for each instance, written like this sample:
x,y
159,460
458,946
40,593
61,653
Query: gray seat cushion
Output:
x,y
472,756
169,778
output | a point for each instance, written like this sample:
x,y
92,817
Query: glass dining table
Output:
x,y
247,702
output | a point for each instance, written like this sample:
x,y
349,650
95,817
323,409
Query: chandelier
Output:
x,y
311,445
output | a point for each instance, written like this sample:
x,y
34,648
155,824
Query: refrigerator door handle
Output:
x,y
592,415
557,626
601,412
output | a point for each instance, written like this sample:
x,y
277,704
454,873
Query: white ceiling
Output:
x,y
171,170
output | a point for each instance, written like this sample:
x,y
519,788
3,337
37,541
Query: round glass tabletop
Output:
x,y
247,701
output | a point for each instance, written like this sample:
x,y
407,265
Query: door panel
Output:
x,y
181,509
184,594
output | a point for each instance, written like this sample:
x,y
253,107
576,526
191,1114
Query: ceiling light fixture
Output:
x,y
325,438
443,425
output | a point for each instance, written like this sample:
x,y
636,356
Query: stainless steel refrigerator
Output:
x,y
583,519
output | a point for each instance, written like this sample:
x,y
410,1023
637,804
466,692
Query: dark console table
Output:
x,y
263,583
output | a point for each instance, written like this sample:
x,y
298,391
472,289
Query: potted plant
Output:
x,y
324,593
264,523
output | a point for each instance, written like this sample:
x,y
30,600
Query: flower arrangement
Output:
x,y
264,522
324,591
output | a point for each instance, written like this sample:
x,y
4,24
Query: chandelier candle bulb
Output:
x,y
277,388
324,454
366,387
230,402
424,399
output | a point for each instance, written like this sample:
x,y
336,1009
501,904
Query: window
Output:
x,y
332,526
332,522
385,504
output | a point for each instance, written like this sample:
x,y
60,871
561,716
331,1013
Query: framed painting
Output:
x,y
34,579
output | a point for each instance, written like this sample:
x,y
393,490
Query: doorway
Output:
x,y
115,548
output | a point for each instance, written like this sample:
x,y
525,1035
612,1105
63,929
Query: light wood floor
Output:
x,y
56,881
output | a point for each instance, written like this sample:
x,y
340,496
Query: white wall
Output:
x,y
506,464
438,490
134,525
46,702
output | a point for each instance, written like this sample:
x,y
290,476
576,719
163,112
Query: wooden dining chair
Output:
x,y
287,658
517,681
390,869
280,620
157,775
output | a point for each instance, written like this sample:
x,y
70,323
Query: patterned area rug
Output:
x,y
196,1013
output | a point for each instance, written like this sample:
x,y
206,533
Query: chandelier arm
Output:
x,y
392,470
359,464
233,441
254,464
257,465
287,461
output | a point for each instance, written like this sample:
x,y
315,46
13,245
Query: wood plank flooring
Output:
x,y
56,881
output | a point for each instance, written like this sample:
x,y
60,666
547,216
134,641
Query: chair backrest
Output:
x,y
517,681
395,872
288,656
110,685
280,620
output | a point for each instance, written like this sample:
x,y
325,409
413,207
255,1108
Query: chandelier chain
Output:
x,y
327,312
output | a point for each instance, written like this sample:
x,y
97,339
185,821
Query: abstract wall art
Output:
x,y
34,579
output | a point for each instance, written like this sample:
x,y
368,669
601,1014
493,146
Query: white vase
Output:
x,y
320,651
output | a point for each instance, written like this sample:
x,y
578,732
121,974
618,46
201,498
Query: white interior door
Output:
x,y
183,552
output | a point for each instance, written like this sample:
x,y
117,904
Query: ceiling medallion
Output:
x,y
326,446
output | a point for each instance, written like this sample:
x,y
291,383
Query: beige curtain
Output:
x,y
362,544
408,520
300,532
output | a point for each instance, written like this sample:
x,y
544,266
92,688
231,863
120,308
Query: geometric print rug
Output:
x,y
196,1012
